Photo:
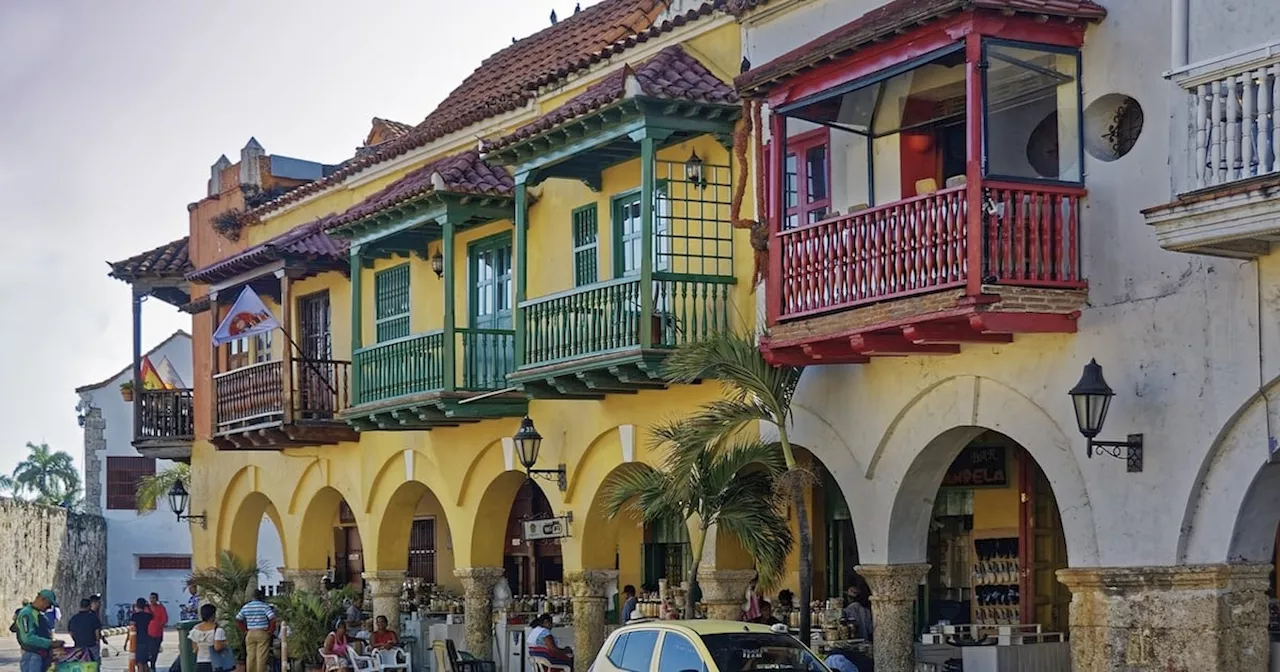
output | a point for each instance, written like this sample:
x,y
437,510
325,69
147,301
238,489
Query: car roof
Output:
x,y
698,627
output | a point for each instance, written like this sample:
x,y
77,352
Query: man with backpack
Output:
x,y
34,634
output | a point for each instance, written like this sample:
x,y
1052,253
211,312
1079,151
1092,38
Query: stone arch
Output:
x,y
920,445
240,517
1240,451
390,548
484,548
601,534
593,465
315,533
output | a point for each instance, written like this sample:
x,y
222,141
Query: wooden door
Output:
x,y
487,356
1042,550
317,379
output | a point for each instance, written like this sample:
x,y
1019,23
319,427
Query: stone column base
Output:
x,y
385,588
1207,618
310,580
724,591
477,595
589,589
893,596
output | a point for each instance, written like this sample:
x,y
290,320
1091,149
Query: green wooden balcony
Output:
x,y
595,340
416,382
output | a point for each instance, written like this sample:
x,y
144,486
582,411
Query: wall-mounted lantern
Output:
x,y
437,264
1091,398
528,442
693,171
178,498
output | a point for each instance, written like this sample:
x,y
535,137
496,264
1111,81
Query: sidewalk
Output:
x,y
10,654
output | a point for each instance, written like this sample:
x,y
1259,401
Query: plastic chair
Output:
x,y
542,664
467,662
361,663
394,658
331,662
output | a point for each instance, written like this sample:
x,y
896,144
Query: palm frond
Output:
x,y
648,494
735,361
152,489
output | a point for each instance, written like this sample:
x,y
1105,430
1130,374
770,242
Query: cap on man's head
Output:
x,y
48,595
95,598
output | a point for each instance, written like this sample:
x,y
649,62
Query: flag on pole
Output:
x,y
150,378
169,374
248,317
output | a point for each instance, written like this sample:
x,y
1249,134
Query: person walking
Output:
x,y
257,620
141,619
155,631
86,630
34,634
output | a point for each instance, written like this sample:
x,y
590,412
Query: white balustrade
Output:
x,y
1234,133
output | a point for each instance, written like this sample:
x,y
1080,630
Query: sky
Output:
x,y
111,114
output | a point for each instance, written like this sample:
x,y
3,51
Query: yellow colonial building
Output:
x,y
534,248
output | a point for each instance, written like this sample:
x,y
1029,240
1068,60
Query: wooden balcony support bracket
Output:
x,y
1025,323
826,353
286,320
891,344
951,332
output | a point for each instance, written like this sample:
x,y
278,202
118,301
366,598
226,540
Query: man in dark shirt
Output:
x,y
86,629
141,620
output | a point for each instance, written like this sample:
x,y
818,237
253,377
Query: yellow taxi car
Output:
x,y
703,646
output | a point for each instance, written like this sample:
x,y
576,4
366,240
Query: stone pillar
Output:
x,y
589,589
310,580
893,596
477,595
385,588
1208,618
724,591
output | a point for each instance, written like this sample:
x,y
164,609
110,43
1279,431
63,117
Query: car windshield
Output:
x,y
759,651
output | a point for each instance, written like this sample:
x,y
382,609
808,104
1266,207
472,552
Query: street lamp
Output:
x,y
178,498
1091,398
693,171
437,264
528,442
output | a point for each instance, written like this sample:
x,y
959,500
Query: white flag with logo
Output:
x,y
169,374
248,317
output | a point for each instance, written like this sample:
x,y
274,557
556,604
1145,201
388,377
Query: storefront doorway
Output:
x,y
348,551
995,542
530,564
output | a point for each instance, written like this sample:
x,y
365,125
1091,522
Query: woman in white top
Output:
x,y
207,638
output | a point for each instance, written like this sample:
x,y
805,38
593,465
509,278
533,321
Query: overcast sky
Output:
x,y
111,114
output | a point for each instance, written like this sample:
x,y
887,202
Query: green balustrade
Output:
x,y
607,317
415,364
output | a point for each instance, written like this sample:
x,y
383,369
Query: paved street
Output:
x,y
10,653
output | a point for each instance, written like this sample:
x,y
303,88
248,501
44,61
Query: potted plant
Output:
x,y
308,617
126,390
227,586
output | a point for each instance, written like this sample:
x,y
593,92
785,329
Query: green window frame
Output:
x,y
626,231
391,301
586,245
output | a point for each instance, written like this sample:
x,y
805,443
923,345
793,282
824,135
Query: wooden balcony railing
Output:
x,y
164,415
606,317
1029,236
416,364
254,395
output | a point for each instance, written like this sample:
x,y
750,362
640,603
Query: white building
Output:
x,y
146,551
1166,567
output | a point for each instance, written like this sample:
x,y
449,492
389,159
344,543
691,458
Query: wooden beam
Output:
x,y
1025,323
950,332
830,352
896,344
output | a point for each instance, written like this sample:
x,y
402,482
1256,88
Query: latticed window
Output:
x,y
391,298
123,476
586,234
164,562
422,550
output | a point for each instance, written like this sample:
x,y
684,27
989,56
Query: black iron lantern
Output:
x,y
437,264
528,442
178,499
1091,398
693,170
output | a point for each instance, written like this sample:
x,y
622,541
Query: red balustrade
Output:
x,y
1030,236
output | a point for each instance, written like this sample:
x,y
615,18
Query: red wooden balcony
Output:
x,y
251,409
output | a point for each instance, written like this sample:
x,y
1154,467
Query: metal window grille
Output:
x,y
422,550
391,300
123,476
586,234
164,562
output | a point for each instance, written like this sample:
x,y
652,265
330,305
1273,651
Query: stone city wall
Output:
x,y
42,547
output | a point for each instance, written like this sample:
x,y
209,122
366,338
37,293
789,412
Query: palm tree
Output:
x,y
152,489
7,485
48,474
755,391
733,488
227,587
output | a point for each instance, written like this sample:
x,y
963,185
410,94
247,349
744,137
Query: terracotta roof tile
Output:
x,y
464,173
508,79
671,74
169,261
308,242
892,17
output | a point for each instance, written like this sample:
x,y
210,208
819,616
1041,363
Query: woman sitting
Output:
x,y
543,644
383,637
209,639
336,644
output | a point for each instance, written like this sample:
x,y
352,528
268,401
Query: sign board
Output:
x,y
979,467
547,528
